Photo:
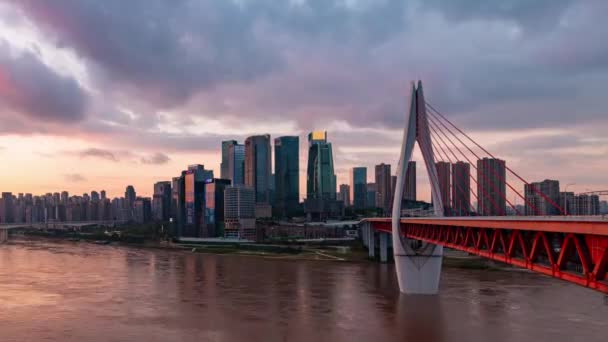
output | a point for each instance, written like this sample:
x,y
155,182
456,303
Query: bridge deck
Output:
x,y
572,249
580,225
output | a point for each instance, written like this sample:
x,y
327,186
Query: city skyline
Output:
x,y
107,115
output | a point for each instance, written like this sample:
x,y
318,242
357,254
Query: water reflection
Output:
x,y
81,292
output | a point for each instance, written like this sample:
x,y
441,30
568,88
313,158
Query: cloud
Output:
x,y
30,89
74,178
98,153
155,159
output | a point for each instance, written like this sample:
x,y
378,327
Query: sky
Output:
x,y
101,94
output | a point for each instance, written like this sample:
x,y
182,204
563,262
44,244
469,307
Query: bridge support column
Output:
x,y
371,247
418,264
3,235
384,247
419,273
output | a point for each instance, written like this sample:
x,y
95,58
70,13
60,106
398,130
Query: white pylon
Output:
x,y
418,264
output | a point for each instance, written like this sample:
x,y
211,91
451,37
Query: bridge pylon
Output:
x,y
418,264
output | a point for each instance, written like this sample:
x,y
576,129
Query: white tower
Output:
x,y
418,264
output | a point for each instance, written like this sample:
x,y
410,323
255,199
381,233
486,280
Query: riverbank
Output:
x,y
354,252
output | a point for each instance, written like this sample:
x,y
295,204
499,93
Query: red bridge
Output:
x,y
571,249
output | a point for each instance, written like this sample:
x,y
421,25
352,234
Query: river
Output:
x,y
67,291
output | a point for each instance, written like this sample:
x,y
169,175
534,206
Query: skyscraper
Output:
x,y
371,195
286,175
344,194
236,164
321,200
358,187
491,186
461,188
130,196
383,185
224,165
194,200
161,201
6,208
214,206
239,212
444,178
409,191
258,166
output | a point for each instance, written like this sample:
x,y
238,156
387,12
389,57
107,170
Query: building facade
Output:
x,y
461,189
383,186
239,212
491,187
358,187
542,197
258,166
344,194
286,175
321,200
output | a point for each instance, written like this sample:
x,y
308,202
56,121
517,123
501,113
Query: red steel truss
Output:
x,y
575,251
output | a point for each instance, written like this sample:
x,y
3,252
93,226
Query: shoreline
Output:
x,y
353,254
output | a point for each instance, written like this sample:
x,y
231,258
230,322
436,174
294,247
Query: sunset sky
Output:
x,y
100,94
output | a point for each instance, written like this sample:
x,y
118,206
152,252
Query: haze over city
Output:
x,y
93,97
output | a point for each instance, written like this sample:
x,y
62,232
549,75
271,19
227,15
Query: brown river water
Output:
x,y
66,291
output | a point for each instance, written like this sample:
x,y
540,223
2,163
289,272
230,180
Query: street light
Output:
x,y
566,204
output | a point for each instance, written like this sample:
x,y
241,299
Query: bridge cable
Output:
x,y
483,192
555,205
433,117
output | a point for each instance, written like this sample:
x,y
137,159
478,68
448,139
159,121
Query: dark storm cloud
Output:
x,y
488,64
167,50
31,89
155,159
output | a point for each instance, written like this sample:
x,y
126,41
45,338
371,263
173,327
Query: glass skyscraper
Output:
x,y
320,180
224,173
258,166
358,186
321,200
286,175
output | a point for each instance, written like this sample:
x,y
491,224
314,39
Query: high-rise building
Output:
x,y
566,202
344,194
586,205
321,200
142,210
542,198
94,196
445,185
65,196
130,196
102,193
6,208
372,195
258,166
286,175
491,187
461,188
214,207
383,185
194,200
224,165
236,164
161,201
358,187
409,190
239,212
